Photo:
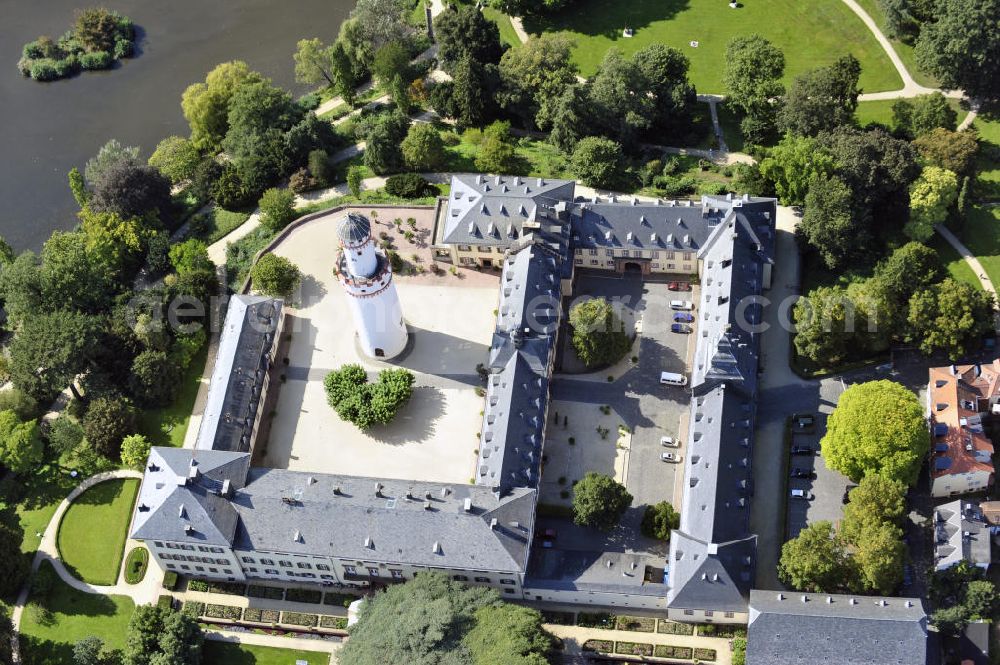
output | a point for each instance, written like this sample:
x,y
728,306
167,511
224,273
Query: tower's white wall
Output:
x,y
361,261
379,322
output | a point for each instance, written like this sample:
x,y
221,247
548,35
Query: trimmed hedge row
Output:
x,y
269,592
193,608
704,654
674,628
634,649
223,612
664,651
299,619
228,588
602,646
261,616
342,599
304,596
636,624
336,623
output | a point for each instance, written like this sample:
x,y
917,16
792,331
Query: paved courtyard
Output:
x,y
434,436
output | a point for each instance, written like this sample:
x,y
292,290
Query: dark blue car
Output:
x,y
683,317
680,328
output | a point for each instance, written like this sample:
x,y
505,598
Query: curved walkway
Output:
x,y
969,258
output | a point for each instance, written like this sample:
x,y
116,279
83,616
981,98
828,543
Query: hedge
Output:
x,y
674,628
559,618
636,624
634,649
269,592
261,616
170,580
299,619
602,646
304,596
223,612
342,599
664,651
193,608
595,620
229,588
336,623
135,565
721,630
165,601
704,654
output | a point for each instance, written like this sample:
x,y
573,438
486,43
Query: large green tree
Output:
x,y
110,154
822,99
275,275
622,104
665,70
510,634
50,349
931,197
423,148
206,105
962,46
659,520
879,553
176,157
954,151
599,501
132,191
917,116
463,32
792,164
599,336
533,76
951,316
496,151
834,324
878,427
830,224
314,63
364,403
754,67
107,422
21,446
815,560
162,636
876,499
909,269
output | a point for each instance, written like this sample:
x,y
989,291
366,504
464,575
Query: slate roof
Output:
x,y
183,496
633,225
961,533
605,572
343,516
354,229
869,630
238,377
713,576
492,210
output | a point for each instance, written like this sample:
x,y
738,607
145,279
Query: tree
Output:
x,y
115,244
599,501
132,190
383,153
423,149
962,46
659,520
50,349
365,404
355,178
162,636
107,422
78,186
206,105
111,154
917,116
277,208
569,120
599,336
665,70
951,317
878,427
319,167
529,7
981,600
621,100
752,77
471,100
833,325
815,560
71,277
154,378
391,61
21,447
879,553
510,634
496,152
135,450
931,196
275,275
190,255
791,166
822,99
830,224
953,151
89,651
314,63
950,620
342,69
16,569
95,28
534,75
464,33
598,162
65,434
910,268
259,116
380,21
876,499
176,157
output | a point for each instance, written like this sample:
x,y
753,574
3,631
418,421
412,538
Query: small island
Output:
x,y
98,38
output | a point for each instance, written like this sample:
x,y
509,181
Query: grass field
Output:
x,y
54,622
507,34
903,50
92,533
167,426
224,653
988,163
534,157
810,34
957,268
42,495
982,236
881,111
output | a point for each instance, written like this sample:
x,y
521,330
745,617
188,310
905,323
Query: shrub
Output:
x,y
636,624
601,646
223,612
277,208
595,620
365,404
665,651
704,654
165,602
96,60
674,628
193,609
170,580
739,651
269,592
634,649
319,167
335,623
44,70
408,186
299,619
301,181
198,585
275,275
342,599
303,596
261,616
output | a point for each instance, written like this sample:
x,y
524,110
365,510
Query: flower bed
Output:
x,y
193,608
299,619
636,624
269,592
595,620
259,615
342,599
719,630
633,649
336,623
674,628
665,651
303,596
135,565
223,612
704,654
602,646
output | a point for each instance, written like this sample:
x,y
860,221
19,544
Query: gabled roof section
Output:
x,y
184,496
492,210
633,225
958,397
241,366
960,533
714,576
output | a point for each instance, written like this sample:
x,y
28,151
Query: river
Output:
x,y
48,128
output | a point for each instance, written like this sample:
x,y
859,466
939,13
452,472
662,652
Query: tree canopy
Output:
x,y
822,99
961,47
598,162
659,520
791,166
206,105
275,275
161,636
599,336
363,403
931,196
534,75
950,316
754,67
814,560
463,32
599,501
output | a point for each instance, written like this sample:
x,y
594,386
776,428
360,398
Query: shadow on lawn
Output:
x,y
606,17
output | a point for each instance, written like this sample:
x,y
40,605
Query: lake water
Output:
x,y
48,128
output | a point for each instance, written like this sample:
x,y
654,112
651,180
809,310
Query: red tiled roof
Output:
x,y
953,390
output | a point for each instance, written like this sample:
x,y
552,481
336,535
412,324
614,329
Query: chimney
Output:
x,y
781,596
829,600
805,598
493,524
445,492
311,481
297,537
467,505
227,487
188,529
336,490
436,547
182,512
369,543
378,489
427,505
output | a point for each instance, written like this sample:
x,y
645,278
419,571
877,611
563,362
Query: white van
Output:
x,y
673,379
683,305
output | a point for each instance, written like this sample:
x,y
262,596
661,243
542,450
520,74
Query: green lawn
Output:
x,y
42,494
957,268
92,534
224,653
221,222
904,51
56,620
988,163
982,236
507,34
810,33
881,111
534,157
730,123
167,426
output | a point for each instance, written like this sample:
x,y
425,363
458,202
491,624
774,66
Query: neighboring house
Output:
x,y
788,628
959,397
972,647
961,533
991,513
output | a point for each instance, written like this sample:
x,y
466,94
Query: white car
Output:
x,y
801,494
670,457
668,442
682,305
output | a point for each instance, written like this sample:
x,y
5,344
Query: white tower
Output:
x,y
366,275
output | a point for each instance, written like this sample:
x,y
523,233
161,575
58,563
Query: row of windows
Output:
x,y
656,266
638,254
197,559
485,249
190,548
200,569
710,613
286,564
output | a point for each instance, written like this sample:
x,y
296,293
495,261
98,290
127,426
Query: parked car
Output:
x,y
670,457
806,474
679,286
907,575
801,494
803,450
682,328
546,533
683,305
673,379
804,423
683,317
669,442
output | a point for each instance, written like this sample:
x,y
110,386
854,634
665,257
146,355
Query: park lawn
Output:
x,y
67,616
221,223
810,34
168,425
533,157
507,34
226,653
43,493
988,162
957,268
92,534
730,123
903,50
880,111
981,234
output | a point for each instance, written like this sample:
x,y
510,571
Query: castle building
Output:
x,y
366,275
